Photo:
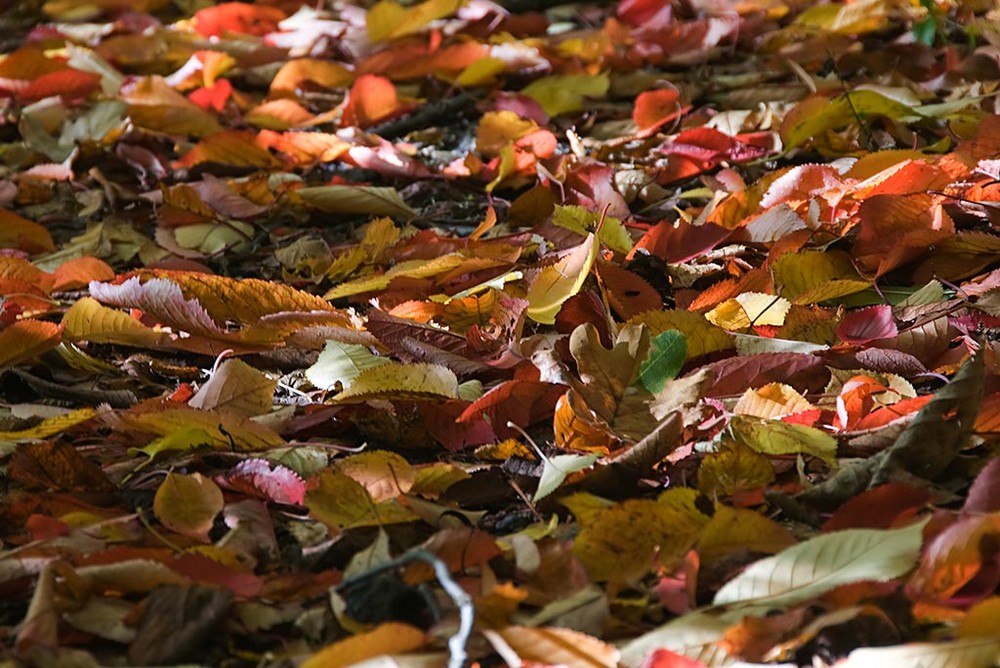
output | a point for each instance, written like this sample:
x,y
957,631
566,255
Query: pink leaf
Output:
x,y
867,325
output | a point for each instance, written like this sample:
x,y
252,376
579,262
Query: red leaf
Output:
x,y
69,84
237,17
648,14
879,508
664,658
628,293
655,108
522,402
735,374
867,325
214,96
984,495
680,241
442,422
255,477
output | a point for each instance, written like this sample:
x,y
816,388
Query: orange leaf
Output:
x,y
69,84
237,17
389,638
372,99
656,108
236,148
79,272
24,234
26,339
322,72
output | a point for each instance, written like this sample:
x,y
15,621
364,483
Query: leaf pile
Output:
x,y
648,334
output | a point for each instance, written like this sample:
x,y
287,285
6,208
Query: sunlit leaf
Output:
x,y
555,470
667,353
376,201
558,282
388,638
341,363
833,559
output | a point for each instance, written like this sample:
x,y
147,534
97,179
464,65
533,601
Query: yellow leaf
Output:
x,y
373,200
771,401
225,431
212,238
480,73
89,320
774,437
749,308
735,468
982,620
26,339
340,502
408,269
849,19
625,541
735,529
558,282
384,474
51,426
702,336
565,93
814,276
388,638
323,72
498,128
154,105
402,381
188,504
390,20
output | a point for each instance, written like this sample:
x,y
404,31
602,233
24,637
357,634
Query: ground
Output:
x,y
648,334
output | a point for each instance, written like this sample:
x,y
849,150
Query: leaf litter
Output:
x,y
644,334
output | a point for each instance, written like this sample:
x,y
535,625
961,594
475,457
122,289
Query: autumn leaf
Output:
x,y
188,504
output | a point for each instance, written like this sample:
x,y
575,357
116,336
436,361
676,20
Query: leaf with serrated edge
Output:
x,y
402,381
812,568
341,362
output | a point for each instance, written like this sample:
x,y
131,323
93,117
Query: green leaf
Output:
x,y
812,568
774,437
612,233
341,363
667,354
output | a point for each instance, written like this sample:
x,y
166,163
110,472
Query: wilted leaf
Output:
x,y
237,387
